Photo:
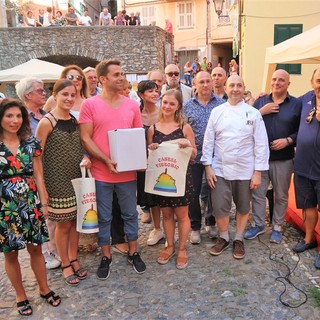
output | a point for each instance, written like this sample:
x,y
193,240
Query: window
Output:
x,y
284,32
185,15
148,15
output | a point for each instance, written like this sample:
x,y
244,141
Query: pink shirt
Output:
x,y
104,118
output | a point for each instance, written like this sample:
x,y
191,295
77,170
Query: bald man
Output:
x,y
307,168
236,137
172,74
281,115
219,78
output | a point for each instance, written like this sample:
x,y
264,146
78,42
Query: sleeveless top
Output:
x,y
62,155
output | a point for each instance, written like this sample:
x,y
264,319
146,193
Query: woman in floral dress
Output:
x,y
22,222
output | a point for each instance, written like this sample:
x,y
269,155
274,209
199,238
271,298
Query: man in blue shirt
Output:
x,y
198,110
281,115
307,165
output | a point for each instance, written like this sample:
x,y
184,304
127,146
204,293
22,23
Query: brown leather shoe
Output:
x,y
220,245
238,249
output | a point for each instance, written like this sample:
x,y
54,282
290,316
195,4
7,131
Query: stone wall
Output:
x,y
139,48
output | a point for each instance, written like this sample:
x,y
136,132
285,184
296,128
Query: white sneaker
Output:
x,y
54,254
212,232
51,262
195,237
154,237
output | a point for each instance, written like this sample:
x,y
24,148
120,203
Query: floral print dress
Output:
x,y
21,218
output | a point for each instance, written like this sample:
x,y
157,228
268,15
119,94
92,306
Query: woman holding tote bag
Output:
x,y
63,152
171,126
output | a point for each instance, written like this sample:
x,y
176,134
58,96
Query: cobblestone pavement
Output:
x,y
209,288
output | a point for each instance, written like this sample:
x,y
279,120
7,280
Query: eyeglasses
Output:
x,y
71,77
310,116
171,74
40,91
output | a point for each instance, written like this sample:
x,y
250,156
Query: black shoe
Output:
x,y
103,271
303,246
137,263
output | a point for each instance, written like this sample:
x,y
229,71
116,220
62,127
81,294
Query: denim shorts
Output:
x,y
307,192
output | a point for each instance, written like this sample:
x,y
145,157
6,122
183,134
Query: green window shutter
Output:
x,y
284,32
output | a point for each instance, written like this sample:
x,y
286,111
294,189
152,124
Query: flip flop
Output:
x,y
51,298
25,307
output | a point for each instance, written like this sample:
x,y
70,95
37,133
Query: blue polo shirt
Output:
x,y
307,159
198,116
282,124
34,121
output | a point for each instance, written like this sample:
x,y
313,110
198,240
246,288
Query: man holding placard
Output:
x,y
99,115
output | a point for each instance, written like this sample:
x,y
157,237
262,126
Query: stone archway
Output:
x,y
65,60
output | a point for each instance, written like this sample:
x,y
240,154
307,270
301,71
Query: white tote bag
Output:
x,y
167,169
85,190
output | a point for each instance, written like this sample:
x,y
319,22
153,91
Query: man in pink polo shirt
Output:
x,y
98,115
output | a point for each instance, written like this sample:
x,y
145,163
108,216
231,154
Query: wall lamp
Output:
x,y
218,4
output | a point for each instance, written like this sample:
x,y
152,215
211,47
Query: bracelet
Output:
x,y
288,142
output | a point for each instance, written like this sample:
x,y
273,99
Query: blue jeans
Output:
x,y
126,193
188,77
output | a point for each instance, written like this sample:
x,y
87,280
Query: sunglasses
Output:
x,y
71,77
310,116
171,74
40,91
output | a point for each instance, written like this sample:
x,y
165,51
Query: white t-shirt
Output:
x,y
106,18
84,20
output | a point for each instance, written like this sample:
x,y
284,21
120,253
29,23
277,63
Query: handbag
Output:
x,y
85,190
167,169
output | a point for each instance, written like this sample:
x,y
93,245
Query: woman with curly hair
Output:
x,y
22,221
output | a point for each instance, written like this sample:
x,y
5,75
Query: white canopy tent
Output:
x,y
43,70
303,48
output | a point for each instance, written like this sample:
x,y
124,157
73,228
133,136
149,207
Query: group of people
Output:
x,y
237,149
191,69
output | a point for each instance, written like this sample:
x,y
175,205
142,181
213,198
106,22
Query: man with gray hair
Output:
x,y
30,90
172,74
92,81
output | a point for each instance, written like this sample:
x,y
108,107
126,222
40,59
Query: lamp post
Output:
x,y
218,6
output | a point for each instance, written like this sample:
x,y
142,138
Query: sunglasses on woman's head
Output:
x,y
71,77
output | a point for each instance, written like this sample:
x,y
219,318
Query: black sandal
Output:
x,y
51,298
25,307
70,278
79,271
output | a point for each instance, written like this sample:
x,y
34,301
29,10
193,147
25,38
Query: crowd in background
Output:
x,y
46,18
237,149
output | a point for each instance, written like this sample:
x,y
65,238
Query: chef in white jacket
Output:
x,y
235,151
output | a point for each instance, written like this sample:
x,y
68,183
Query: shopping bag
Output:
x,y
85,190
167,169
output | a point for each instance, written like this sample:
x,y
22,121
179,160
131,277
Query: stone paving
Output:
x,y
209,288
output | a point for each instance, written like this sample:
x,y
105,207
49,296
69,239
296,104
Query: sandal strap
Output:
x,y
23,303
75,260
65,267
51,295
